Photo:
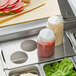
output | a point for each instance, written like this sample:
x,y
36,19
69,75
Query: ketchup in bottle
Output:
x,y
46,43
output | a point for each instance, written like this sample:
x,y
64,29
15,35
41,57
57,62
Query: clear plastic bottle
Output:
x,y
46,43
56,24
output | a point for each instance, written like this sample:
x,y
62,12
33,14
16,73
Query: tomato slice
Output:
x,y
7,10
16,6
19,10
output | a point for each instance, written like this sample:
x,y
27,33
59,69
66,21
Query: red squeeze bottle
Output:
x,y
46,43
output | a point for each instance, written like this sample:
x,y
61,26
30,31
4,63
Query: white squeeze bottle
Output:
x,y
55,23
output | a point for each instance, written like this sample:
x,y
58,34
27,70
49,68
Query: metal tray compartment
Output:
x,y
18,53
51,62
22,52
34,69
74,58
71,34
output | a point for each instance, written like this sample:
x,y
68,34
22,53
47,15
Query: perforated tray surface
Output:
x,y
23,52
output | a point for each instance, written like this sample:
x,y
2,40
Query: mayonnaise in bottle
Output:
x,y
56,24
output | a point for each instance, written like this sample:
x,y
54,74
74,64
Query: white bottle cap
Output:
x,y
54,21
46,35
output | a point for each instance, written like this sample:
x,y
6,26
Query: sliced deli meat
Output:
x,y
8,7
12,3
18,6
4,4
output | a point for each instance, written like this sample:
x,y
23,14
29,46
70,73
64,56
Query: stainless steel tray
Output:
x,y
21,30
72,6
42,65
68,15
74,58
23,52
16,48
71,37
35,69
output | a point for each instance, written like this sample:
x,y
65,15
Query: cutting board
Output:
x,y
50,8
31,6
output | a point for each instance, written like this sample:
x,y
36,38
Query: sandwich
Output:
x,y
9,7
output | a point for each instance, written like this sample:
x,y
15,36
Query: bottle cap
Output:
x,y
54,21
46,35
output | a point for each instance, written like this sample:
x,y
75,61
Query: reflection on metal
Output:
x,y
34,69
65,9
69,18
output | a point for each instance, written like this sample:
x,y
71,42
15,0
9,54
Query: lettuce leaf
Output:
x,y
57,73
48,70
71,73
55,66
65,65
63,68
